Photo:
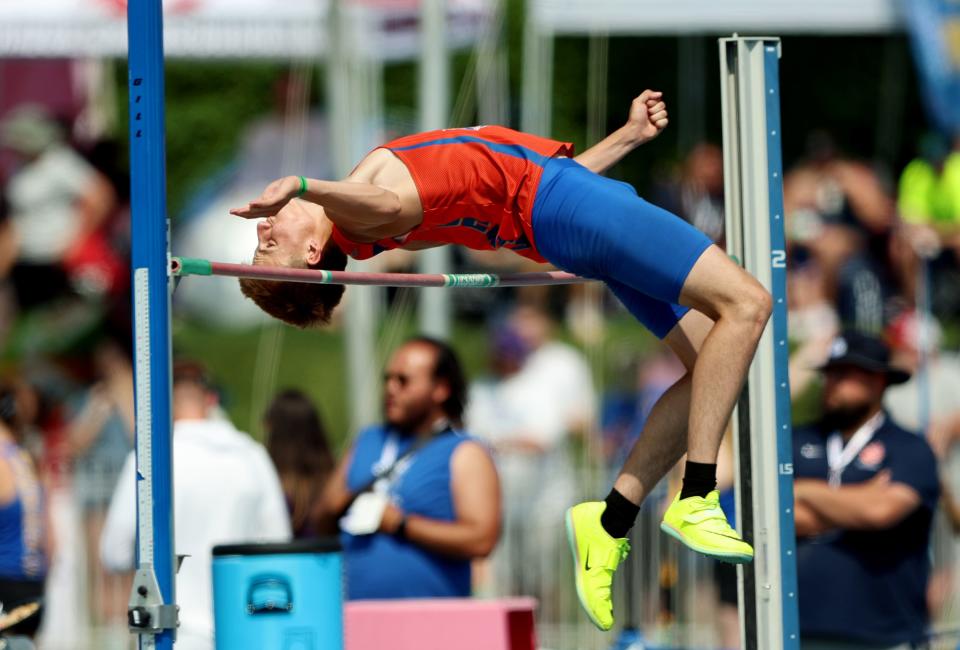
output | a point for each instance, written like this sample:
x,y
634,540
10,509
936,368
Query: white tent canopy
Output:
x,y
652,17
386,29
548,19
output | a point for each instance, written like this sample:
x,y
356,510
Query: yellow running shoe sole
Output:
x,y
729,558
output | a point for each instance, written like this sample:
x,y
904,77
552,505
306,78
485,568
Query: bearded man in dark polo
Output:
x,y
866,491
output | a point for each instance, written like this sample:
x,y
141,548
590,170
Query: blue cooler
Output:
x,y
278,596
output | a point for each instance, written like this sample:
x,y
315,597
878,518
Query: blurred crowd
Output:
x,y
66,356
869,253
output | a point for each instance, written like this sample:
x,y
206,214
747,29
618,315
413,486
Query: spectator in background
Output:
x,y
941,400
556,375
929,204
813,325
831,203
58,203
625,411
225,490
877,282
937,407
811,314
929,190
541,393
422,499
866,491
930,402
541,389
842,233
696,194
100,438
298,446
24,542
42,431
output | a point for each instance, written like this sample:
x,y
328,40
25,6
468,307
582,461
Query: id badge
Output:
x,y
364,516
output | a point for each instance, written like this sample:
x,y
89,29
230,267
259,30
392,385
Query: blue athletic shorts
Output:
x,y
599,228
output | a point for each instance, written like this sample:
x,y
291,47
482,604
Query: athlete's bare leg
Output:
x,y
664,438
739,307
692,415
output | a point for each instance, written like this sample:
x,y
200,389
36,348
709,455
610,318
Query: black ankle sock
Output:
x,y
619,515
699,479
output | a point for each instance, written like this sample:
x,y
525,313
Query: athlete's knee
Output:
x,y
752,306
723,290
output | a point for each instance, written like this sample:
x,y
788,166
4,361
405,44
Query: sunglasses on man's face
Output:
x,y
399,377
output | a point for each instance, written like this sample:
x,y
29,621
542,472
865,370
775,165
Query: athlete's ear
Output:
x,y
314,251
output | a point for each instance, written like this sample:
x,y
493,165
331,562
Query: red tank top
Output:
x,y
477,186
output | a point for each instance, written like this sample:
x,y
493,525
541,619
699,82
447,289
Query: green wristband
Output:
x,y
303,186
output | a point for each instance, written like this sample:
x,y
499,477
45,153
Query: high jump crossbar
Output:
x,y
183,266
753,195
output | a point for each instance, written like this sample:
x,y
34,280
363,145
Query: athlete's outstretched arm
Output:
x,y
355,207
648,117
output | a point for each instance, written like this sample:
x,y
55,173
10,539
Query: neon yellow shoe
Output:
x,y
596,556
700,524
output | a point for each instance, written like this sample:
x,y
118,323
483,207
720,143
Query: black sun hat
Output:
x,y
852,348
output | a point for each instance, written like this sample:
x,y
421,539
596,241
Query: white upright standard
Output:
x,y
753,189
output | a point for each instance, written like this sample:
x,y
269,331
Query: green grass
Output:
x,y
243,363
252,365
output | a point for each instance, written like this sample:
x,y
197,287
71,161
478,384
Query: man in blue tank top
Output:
x,y
421,498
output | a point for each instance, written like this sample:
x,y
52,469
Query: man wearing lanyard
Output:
x,y
420,499
866,491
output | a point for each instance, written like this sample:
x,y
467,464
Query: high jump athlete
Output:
x,y
490,187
